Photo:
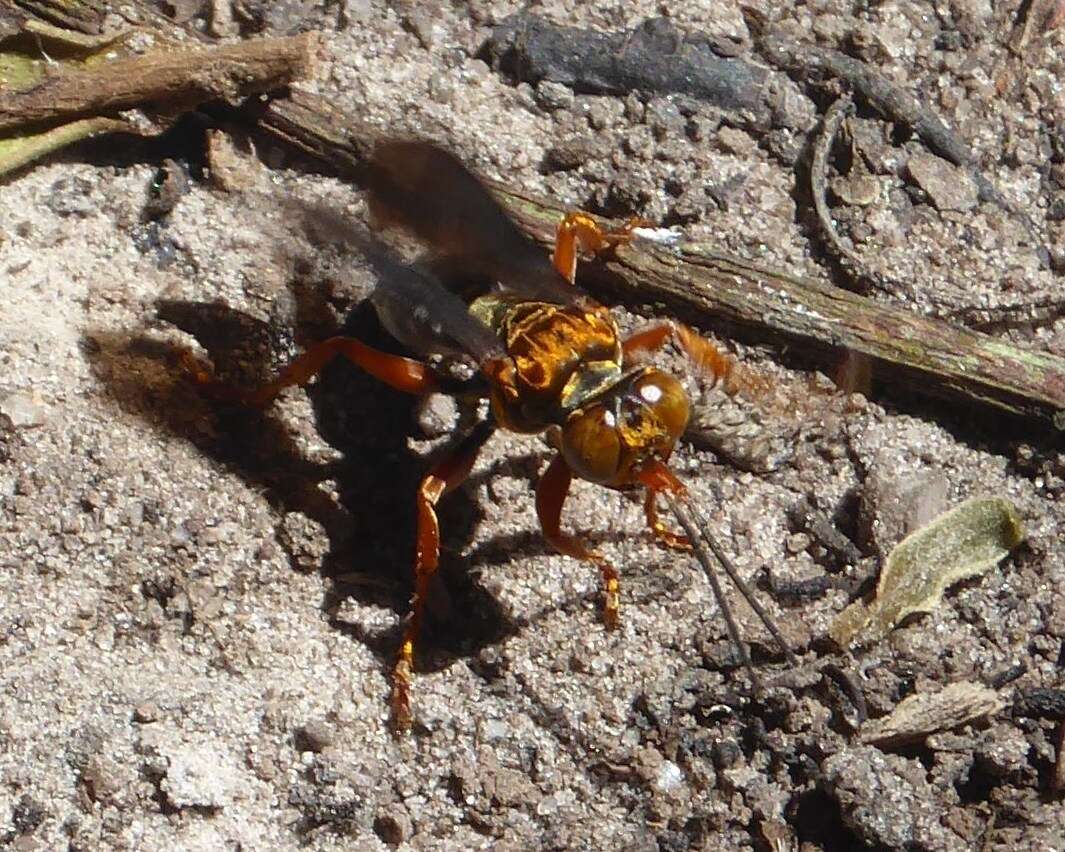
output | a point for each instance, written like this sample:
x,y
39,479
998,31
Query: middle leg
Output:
x,y
550,495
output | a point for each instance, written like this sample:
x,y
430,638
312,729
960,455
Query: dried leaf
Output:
x,y
926,713
961,543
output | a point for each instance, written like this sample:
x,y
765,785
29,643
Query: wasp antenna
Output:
x,y
681,511
699,534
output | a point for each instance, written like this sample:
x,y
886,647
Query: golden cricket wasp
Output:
x,y
550,360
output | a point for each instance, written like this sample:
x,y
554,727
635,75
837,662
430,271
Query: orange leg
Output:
x,y
550,495
401,373
445,476
672,540
707,357
578,230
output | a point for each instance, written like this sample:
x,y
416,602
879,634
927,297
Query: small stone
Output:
x,y
146,713
599,116
689,207
222,24
1056,210
640,143
634,107
441,89
948,187
702,127
511,788
669,777
437,415
893,505
734,141
664,119
1004,752
22,409
418,21
465,782
393,825
304,539
876,151
198,776
857,188
554,96
104,779
71,197
317,735
726,754
797,542
572,154
285,17
886,800
229,171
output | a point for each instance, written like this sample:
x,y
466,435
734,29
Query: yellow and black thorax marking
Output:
x,y
558,357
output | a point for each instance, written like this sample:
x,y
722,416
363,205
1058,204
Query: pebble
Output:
x,y
22,409
733,141
146,712
554,96
664,119
318,735
198,776
894,505
393,825
948,187
858,189
669,777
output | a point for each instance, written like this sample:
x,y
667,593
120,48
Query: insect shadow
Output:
x,y
369,520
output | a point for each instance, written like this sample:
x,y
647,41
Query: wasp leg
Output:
x,y
579,230
672,540
550,495
707,357
401,373
404,374
445,476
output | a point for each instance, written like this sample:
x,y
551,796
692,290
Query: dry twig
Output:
x,y
833,120
171,78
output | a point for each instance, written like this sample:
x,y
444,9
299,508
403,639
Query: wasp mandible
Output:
x,y
551,359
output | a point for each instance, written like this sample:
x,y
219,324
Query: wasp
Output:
x,y
550,359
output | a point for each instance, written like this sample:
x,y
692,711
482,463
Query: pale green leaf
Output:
x,y
963,542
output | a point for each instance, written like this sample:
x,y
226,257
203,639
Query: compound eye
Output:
x,y
590,444
665,396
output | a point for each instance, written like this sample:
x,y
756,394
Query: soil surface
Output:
x,y
200,606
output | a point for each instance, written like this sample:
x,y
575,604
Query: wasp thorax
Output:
x,y
606,440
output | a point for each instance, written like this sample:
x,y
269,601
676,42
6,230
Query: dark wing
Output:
x,y
428,191
414,306
422,313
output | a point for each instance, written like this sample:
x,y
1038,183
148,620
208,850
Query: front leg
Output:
x,y
672,540
710,360
579,230
550,496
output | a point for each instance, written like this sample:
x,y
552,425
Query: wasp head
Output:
x,y
611,437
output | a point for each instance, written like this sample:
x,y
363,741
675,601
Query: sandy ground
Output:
x,y
199,608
